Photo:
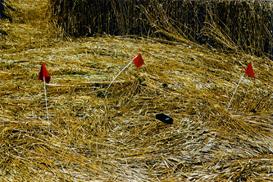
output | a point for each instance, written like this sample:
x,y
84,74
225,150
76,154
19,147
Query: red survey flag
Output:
x,y
138,60
43,74
249,71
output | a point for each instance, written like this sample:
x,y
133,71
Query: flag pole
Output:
x,y
118,75
45,98
105,93
235,91
138,61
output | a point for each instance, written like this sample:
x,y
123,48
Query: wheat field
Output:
x,y
94,135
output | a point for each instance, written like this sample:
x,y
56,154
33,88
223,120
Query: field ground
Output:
x,y
93,136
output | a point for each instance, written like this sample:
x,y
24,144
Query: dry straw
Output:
x,y
190,83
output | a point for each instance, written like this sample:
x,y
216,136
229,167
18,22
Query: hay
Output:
x,y
81,142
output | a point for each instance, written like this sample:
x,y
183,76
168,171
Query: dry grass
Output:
x,y
86,141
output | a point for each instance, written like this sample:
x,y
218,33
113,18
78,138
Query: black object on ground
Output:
x,y
164,118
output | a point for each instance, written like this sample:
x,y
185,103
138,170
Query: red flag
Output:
x,y
43,74
138,61
249,71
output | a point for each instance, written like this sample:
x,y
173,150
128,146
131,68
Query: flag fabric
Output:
x,y
43,74
138,61
249,71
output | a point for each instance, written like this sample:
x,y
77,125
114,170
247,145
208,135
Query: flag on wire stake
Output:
x,y
43,74
137,60
45,77
248,72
